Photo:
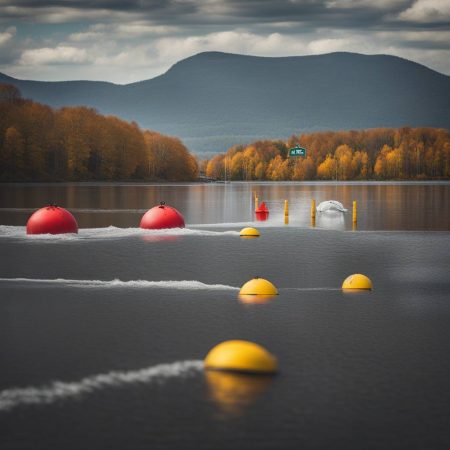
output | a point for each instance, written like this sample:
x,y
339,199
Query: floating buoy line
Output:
x,y
236,355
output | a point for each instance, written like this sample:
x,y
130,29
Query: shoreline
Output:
x,y
222,183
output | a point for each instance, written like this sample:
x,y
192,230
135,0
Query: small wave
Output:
x,y
111,232
116,283
60,390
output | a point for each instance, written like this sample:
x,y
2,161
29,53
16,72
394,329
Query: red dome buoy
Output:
x,y
52,219
162,216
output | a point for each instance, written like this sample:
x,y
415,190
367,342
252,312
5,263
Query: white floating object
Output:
x,y
331,205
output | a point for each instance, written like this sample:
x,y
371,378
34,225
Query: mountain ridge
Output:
x,y
212,100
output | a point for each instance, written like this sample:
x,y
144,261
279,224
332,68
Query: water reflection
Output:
x,y
332,220
234,392
354,292
381,206
160,238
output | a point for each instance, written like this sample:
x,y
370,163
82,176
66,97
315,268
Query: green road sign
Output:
x,y
297,151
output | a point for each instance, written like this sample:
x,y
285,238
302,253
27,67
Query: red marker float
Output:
x,y
162,216
262,213
52,219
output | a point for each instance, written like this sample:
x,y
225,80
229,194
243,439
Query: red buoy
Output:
x,y
262,212
51,219
262,208
162,216
261,216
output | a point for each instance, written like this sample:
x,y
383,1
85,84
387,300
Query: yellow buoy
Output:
x,y
357,281
241,356
258,286
249,232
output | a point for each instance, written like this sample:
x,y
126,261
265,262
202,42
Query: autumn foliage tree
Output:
x,y
380,153
167,158
41,144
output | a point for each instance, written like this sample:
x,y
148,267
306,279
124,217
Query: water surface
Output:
x,y
381,206
102,334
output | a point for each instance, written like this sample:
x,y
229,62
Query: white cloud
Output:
x,y
230,41
421,36
427,11
7,35
57,55
329,45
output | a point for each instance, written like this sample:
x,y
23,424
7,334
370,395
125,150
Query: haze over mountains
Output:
x,y
214,100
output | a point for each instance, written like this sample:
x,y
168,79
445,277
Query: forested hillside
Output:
x,y
38,143
380,154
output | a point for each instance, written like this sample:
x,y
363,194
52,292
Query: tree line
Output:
x,y
374,154
38,143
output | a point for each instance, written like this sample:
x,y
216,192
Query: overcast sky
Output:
x,y
129,40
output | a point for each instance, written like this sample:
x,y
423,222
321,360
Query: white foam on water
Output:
x,y
111,232
131,284
61,390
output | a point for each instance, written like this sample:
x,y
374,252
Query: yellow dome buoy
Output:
x,y
249,232
357,281
258,286
241,356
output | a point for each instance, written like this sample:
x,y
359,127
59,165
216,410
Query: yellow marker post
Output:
x,y
313,209
355,212
286,212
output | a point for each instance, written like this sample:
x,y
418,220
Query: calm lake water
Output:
x,y
102,334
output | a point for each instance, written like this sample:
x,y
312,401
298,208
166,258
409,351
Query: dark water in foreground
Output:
x,y
102,335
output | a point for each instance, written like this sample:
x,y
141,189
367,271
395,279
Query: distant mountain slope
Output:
x,y
213,100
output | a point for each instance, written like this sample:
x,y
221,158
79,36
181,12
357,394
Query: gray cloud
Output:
x,y
348,13
124,41
352,14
